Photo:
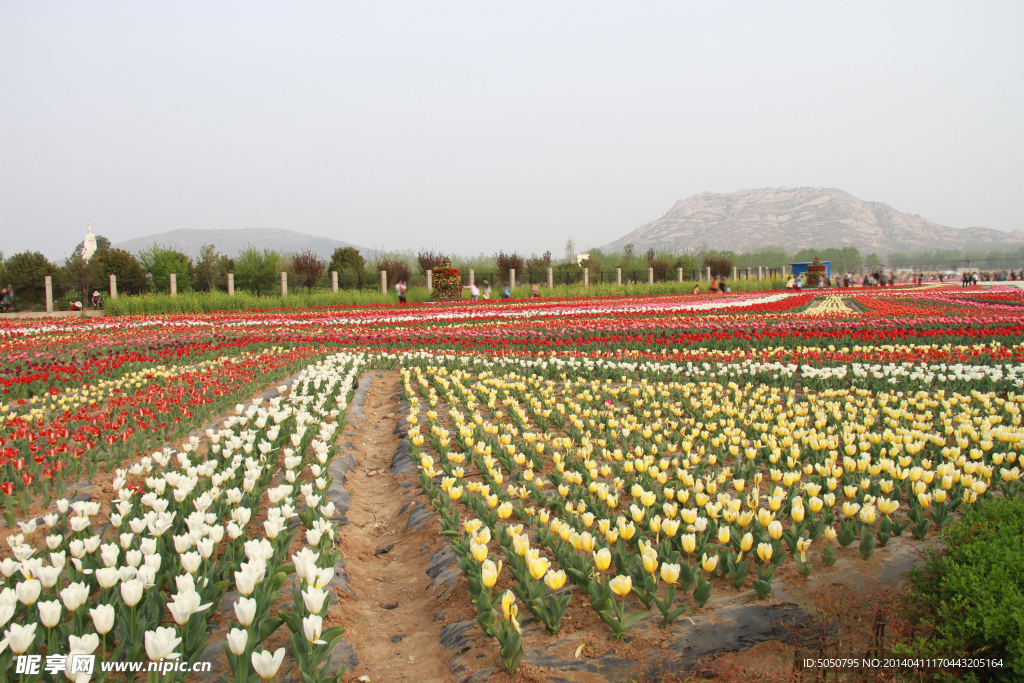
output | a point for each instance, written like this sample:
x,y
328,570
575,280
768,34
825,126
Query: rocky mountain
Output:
x,y
230,242
801,217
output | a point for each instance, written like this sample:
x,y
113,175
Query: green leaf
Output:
x,y
632,619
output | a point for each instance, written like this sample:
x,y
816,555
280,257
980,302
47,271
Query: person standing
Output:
x,y
487,290
401,288
474,291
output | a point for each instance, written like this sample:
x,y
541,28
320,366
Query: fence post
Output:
x,y
48,285
511,280
679,274
284,284
650,275
334,281
734,274
783,273
586,277
231,284
760,273
174,284
472,277
551,278
113,286
430,280
709,273
384,281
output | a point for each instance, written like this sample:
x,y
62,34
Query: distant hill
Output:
x,y
801,217
230,242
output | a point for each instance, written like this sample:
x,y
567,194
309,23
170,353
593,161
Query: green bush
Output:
x,y
969,599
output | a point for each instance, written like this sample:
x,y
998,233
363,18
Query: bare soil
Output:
x,y
397,576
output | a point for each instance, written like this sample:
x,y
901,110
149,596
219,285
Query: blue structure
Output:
x,y
800,268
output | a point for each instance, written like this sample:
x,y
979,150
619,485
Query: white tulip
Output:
x,y
266,664
237,638
160,644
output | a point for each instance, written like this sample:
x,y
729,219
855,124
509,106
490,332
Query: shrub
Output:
x,y
969,599
394,265
430,260
308,267
161,261
721,266
506,262
348,258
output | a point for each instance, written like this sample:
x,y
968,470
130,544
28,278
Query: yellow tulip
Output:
x,y
539,567
747,542
723,535
670,527
764,551
670,573
775,530
478,551
802,545
867,514
654,524
627,531
505,510
621,585
689,543
797,513
603,558
650,561
489,573
555,580
508,605
709,563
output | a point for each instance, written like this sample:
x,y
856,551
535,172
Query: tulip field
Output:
x,y
631,457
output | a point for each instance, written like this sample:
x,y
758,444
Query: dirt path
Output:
x,y
401,643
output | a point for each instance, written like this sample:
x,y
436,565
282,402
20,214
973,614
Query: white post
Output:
x,y
430,280
113,286
174,284
650,276
383,282
334,281
709,273
783,273
551,278
760,273
511,280
231,284
48,285
284,284
472,277
618,276
734,275
679,274
586,277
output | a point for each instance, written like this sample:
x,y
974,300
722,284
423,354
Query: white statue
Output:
x,y
89,247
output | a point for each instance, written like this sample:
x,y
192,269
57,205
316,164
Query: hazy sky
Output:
x,y
478,126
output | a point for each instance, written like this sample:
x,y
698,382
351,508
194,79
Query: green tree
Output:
x,y
347,258
160,261
257,269
131,278
872,261
26,272
212,268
